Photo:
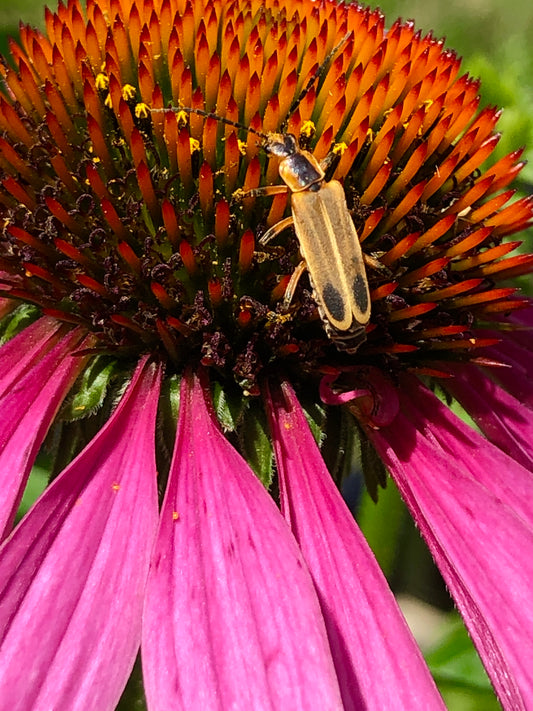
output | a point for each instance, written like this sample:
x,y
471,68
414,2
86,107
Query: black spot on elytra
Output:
x,y
360,292
333,302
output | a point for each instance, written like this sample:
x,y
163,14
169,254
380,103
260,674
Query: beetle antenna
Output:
x,y
210,114
263,136
317,74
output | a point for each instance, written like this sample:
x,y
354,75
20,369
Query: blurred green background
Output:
x,y
494,40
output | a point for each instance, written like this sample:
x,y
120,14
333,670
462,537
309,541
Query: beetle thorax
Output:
x,y
300,171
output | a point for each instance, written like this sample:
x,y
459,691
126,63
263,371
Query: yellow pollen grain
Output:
x,y
116,487
242,147
108,103
339,148
194,145
182,117
175,515
308,129
102,81
142,110
128,92
273,317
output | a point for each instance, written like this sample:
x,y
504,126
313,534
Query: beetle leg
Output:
x,y
276,229
263,191
293,283
375,264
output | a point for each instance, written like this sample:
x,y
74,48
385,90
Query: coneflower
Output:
x,y
152,350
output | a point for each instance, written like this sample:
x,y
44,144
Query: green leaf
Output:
x,y
382,524
37,482
455,660
458,671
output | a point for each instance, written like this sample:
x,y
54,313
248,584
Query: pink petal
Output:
x,y
503,419
515,350
17,356
73,572
473,505
377,661
524,317
517,378
231,619
37,373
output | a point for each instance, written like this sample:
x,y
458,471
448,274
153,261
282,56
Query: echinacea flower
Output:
x,y
151,354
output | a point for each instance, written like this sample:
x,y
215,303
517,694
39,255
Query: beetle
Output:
x,y
329,243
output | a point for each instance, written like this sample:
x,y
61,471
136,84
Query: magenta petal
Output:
x,y
517,378
378,663
503,419
515,351
73,572
473,505
32,391
18,355
231,619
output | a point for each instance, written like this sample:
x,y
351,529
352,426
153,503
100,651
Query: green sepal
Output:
x,y
17,320
167,419
74,428
316,416
170,398
229,406
374,470
333,432
90,390
133,698
256,445
338,447
65,440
